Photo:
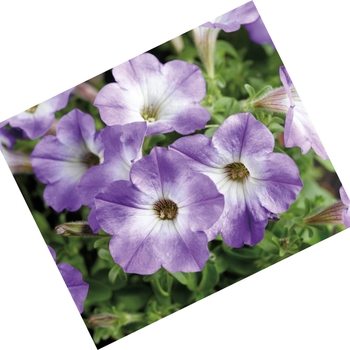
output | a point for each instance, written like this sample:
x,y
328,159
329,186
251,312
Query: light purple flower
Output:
x,y
74,282
61,161
232,20
205,36
256,182
158,217
37,120
258,32
18,162
122,147
346,201
166,96
6,139
298,128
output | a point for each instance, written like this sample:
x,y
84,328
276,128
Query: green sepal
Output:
x,y
265,90
250,90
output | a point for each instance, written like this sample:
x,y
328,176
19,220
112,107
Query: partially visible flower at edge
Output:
x,y
333,214
19,163
37,120
61,161
258,32
166,96
205,36
346,201
231,21
74,282
337,213
298,128
256,183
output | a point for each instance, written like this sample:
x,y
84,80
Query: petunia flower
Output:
x,y
61,161
167,96
122,147
258,32
232,20
6,139
18,162
205,36
256,182
346,201
74,282
37,120
158,217
298,129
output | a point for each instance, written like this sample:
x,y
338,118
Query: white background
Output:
x,y
300,303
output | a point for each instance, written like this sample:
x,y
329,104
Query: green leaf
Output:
x,y
113,273
98,292
268,244
326,163
277,120
105,255
101,242
307,205
210,132
181,277
274,127
210,277
226,47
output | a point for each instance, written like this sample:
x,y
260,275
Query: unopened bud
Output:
x,y
275,100
19,163
103,320
79,228
330,215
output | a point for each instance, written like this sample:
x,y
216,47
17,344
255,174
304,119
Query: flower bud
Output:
x,y
79,228
19,163
330,215
103,320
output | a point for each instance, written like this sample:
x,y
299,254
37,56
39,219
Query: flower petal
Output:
x,y
75,284
242,135
232,20
167,244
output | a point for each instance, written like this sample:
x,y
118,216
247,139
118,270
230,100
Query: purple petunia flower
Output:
x,y
166,96
232,20
19,163
61,161
258,32
346,201
6,139
74,282
36,121
255,181
298,129
158,217
205,36
122,147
